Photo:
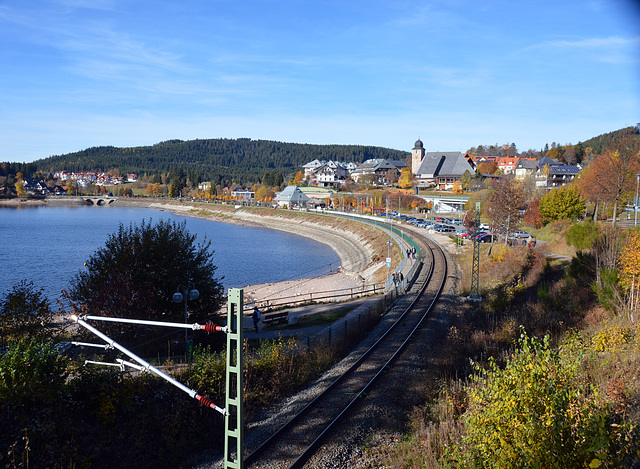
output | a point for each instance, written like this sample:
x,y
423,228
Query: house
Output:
x,y
325,173
507,164
239,193
291,196
42,188
476,160
441,169
380,170
525,167
552,173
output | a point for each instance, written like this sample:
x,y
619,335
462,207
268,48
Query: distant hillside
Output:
x,y
217,160
600,143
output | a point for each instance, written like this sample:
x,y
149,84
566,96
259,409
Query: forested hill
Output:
x,y
602,142
217,160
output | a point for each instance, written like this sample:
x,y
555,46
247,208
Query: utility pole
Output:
x,y
475,269
234,418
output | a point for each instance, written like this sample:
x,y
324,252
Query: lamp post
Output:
x,y
635,202
185,295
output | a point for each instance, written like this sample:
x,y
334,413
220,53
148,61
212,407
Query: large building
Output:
x,y
439,169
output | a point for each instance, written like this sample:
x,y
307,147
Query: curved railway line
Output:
x,y
300,438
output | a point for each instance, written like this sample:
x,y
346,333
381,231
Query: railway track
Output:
x,y
297,440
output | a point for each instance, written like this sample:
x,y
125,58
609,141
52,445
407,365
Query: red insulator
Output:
x,y
205,401
211,328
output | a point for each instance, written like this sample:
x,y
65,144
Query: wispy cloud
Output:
x,y
594,44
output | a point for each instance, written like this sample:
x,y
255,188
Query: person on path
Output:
x,y
256,317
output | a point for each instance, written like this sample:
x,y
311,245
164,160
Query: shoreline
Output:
x,y
356,255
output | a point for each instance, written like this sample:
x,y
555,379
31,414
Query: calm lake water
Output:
x,y
48,245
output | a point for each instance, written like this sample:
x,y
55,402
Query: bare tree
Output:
x,y
506,205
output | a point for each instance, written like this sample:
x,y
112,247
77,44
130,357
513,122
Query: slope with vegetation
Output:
x,y
217,160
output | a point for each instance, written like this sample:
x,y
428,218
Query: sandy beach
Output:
x,y
355,253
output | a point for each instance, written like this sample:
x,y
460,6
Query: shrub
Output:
x,y
536,412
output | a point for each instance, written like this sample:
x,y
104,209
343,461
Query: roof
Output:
x,y
441,164
292,194
545,160
564,169
507,160
374,165
526,164
316,190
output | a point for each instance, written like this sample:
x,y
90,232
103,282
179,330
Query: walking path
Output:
x,y
360,306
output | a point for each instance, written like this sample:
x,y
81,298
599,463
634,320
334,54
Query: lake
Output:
x,y
48,246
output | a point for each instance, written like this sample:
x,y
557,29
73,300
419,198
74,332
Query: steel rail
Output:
x,y
264,446
308,452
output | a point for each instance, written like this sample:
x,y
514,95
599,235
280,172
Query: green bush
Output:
x,y
538,411
31,371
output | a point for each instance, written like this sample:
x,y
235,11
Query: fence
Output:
x,y
319,297
352,328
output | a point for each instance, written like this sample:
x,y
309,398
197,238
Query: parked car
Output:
x,y
446,229
485,238
462,234
521,234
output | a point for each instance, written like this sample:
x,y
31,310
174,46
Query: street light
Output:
x,y
185,295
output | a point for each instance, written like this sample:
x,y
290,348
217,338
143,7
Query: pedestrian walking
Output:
x,y
256,317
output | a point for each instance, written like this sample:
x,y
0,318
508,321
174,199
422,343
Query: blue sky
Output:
x,y
82,73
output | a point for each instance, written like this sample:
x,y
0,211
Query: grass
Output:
x,y
314,320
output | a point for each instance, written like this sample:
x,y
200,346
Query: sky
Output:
x,y
76,74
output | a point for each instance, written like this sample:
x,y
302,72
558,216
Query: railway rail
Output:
x,y
296,441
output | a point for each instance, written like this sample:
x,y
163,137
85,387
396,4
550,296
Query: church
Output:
x,y
439,169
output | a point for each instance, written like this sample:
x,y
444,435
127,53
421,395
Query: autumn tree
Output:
x,y
532,215
457,188
487,167
19,185
505,205
406,178
298,178
569,156
564,203
392,176
611,177
630,273
153,190
264,193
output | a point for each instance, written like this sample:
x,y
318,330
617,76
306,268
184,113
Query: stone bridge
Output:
x,y
98,200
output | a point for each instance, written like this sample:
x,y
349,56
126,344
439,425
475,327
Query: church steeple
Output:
x,y
417,154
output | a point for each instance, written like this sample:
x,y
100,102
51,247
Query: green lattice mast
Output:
x,y
475,269
234,431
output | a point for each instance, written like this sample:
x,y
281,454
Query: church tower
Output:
x,y
417,154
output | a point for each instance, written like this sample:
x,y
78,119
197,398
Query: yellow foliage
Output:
x,y
613,338
630,262
499,252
